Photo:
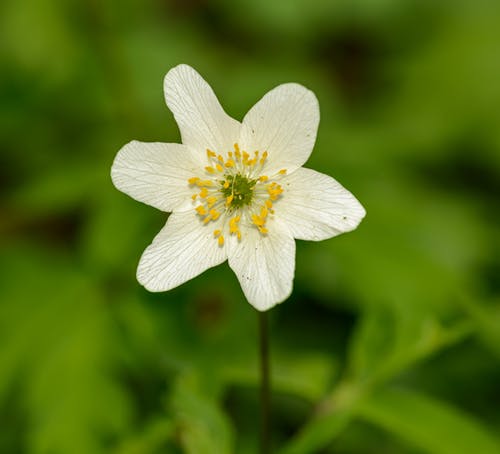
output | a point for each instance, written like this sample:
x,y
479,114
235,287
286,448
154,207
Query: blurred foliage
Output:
x,y
390,341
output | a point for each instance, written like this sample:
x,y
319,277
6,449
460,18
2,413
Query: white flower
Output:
x,y
237,191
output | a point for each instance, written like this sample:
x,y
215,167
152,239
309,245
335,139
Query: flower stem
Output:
x,y
264,383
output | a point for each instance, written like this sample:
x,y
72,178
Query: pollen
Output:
x,y
214,214
211,201
201,210
234,228
233,224
274,190
282,172
257,220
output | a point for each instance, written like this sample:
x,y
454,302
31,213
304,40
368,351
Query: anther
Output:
x,y
201,210
257,220
214,214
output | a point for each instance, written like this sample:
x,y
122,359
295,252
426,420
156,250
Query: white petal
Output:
x,y
183,249
199,115
156,173
316,207
283,123
264,265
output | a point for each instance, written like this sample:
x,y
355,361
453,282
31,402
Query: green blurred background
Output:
x,y
390,342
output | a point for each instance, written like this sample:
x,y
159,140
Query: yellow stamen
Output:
x,y
210,154
194,196
269,204
262,230
274,190
219,167
257,220
220,159
229,163
201,210
207,220
282,171
221,241
217,233
193,180
226,184
263,212
204,183
209,169
233,224
203,192
211,201
263,178
214,214
229,199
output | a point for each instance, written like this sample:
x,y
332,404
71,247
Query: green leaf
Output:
x,y
150,440
57,356
202,426
391,339
427,423
330,419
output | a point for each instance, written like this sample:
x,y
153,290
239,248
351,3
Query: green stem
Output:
x,y
264,383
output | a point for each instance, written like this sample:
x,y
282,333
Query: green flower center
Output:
x,y
240,188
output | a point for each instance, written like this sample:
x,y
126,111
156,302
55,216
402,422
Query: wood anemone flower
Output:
x,y
236,191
